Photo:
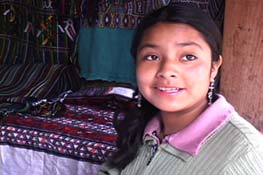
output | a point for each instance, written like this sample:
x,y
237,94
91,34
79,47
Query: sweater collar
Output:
x,y
191,138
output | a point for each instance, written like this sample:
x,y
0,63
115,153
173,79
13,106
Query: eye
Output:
x,y
189,58
151,57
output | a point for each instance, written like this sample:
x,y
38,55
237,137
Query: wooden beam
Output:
x,y
242,70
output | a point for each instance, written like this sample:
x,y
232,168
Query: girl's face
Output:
x,y
174,67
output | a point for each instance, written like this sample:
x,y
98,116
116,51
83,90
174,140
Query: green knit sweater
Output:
x,y
234,149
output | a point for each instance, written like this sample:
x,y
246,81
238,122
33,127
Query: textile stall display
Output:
x,y
71,134
66,79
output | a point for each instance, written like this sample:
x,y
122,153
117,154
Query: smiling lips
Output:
x,y
169,89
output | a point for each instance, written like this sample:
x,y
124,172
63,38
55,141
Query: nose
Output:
x,y
167,69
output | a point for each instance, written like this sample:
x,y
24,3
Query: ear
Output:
x,y
215,67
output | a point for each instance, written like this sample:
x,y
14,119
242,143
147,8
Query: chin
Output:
x,y
167,108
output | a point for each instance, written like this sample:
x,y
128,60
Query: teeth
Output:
x,y
168,89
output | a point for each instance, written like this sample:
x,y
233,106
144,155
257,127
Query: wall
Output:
x,y
242,70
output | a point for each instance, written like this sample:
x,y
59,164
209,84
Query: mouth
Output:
x,y
169,89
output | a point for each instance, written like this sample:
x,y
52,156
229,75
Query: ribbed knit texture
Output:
x,y
235,149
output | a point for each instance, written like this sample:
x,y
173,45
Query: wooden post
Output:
x,y
242,70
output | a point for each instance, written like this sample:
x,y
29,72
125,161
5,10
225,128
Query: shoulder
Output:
x,y
241,136
235,148
246,145
245,132
239,128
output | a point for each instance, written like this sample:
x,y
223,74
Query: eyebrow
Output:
x,y
182,44
146,46
189,43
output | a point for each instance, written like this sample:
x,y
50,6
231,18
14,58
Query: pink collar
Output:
x,y
191,138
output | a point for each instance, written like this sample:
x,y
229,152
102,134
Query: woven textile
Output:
x,y
128,14
84,130
107,30
80,135
38,31
36,80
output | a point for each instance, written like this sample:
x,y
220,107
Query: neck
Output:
x,y
173,122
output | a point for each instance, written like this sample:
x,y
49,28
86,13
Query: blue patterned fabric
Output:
x,y
106,34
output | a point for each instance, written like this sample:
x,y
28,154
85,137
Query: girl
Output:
x,y
182,126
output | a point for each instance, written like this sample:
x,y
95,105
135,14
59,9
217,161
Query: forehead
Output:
x,y
168,32
172,28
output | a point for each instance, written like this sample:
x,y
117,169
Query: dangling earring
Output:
x,y
211,92
139,100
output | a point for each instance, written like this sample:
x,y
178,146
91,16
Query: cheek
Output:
x,y
144,76
199,77
141,75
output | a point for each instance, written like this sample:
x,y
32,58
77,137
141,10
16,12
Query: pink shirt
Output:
x,y
190,139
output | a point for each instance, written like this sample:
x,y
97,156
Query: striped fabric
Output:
x,y
38,31
36,80
81,132
83,129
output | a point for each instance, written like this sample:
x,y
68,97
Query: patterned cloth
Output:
x,y
107,29
128,14
38,31
17,82
83,131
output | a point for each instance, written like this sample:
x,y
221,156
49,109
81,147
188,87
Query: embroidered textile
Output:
x,y
83,131
38,31
126,14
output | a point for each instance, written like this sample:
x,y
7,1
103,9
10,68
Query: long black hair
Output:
x,y
131,129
